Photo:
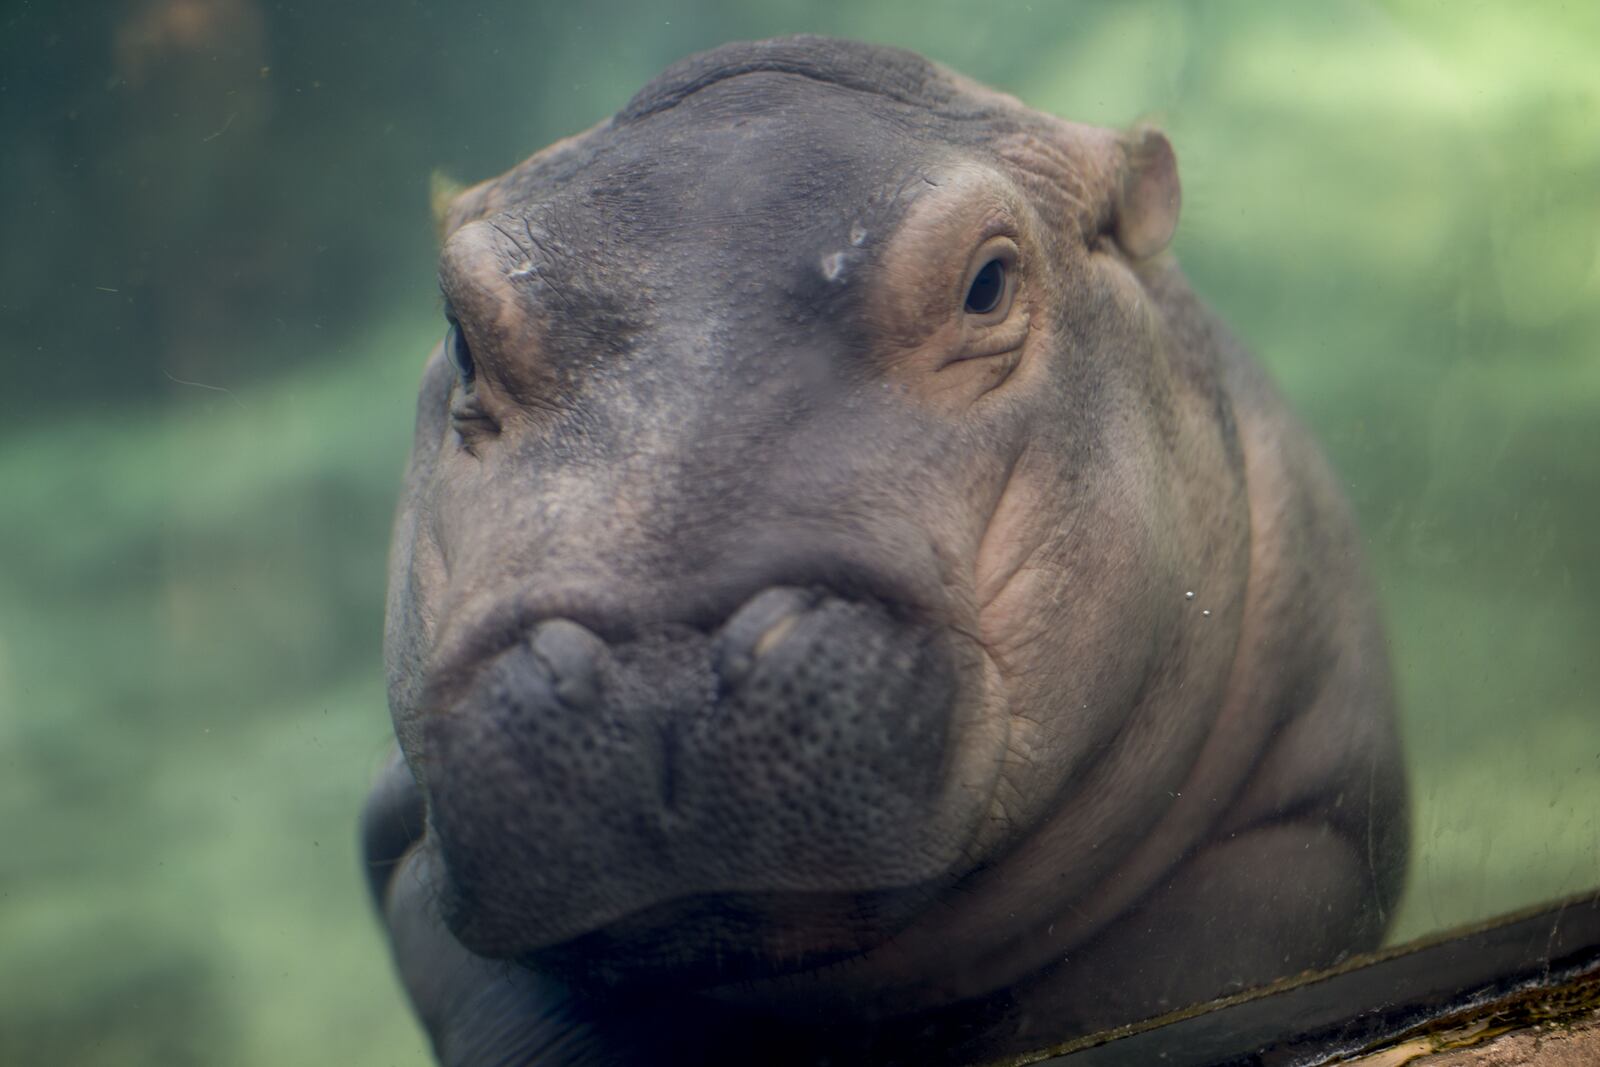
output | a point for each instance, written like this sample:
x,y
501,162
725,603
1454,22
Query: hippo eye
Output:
x,y
987,289
455,346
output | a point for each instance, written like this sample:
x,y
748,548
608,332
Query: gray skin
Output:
x,y
793,656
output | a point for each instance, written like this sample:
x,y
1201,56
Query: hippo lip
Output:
x,y
713,943
731,940
778,788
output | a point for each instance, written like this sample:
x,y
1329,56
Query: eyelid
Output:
x,y
998,246
993,339
455,342
1001,246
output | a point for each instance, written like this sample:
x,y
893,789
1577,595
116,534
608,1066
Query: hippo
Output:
x,y
852,602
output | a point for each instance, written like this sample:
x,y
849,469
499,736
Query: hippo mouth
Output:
x,y
705,805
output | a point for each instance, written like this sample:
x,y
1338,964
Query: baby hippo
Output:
x,y
851,602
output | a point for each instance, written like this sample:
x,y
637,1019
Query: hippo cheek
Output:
x,y
758,798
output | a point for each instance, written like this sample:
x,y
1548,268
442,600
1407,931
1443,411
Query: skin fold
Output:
x,y
851,602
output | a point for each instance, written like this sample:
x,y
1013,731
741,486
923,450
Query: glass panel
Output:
x,y
219,293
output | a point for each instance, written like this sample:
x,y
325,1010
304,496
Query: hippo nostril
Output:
x,y
572,655
758,628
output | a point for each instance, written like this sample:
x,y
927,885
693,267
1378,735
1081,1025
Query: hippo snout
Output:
x,y
799,747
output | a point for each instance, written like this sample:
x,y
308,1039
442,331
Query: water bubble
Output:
x,y
1189,595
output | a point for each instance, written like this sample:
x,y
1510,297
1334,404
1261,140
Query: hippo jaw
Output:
x,y
765,796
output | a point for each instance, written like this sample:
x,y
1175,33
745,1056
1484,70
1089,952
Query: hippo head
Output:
x,y
803,500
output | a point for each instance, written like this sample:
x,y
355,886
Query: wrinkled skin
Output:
x,y
792,650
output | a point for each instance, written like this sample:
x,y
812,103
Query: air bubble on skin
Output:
x,y
858,233
833,266
1206,613
521,270
1189,595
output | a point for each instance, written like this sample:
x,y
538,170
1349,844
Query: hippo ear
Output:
x,y
442,189
1147,202
454,205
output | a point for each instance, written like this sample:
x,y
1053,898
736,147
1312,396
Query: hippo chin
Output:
x,y
760,795
845,576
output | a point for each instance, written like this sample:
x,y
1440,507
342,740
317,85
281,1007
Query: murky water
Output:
x,y
218,292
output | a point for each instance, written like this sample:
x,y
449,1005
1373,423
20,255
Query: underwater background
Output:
x,y
217,291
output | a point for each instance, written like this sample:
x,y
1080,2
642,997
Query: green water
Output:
x,y
217,290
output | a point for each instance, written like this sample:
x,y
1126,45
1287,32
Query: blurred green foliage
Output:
x,y
217,291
